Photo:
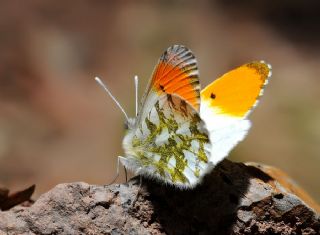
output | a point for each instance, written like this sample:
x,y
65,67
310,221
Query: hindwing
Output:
x,y
170,143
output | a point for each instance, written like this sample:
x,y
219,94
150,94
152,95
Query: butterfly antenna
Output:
x,y
98,80
136,85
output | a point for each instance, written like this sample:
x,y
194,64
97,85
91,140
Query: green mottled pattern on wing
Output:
x,y
171,142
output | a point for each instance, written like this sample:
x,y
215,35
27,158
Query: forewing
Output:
x,y
171,142
227,102
176,74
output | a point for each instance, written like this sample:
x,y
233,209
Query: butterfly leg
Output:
x,y
117,172
125,173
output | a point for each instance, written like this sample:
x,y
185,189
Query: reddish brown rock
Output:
x,y
234,199
8,201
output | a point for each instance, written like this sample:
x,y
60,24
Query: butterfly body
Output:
x,y
180,133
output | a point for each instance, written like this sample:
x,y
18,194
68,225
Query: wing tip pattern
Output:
x,y
262,68
177,73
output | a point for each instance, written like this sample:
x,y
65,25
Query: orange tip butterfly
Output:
x,y
180,132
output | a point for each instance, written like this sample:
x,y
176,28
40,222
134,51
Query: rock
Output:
x,y
10,200
234,199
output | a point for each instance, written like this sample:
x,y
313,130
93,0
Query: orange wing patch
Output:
x,y
236,92
177,73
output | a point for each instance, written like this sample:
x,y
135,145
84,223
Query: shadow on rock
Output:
x,y
209,208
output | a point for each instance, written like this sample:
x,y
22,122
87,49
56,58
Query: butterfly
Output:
x,y
180,132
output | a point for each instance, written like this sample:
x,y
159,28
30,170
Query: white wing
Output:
x,y
224,132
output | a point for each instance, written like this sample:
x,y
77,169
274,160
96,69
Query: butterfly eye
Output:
x,y
126,125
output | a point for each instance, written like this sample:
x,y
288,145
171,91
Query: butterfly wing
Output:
x,y
168,140
170,143
176,73
227,102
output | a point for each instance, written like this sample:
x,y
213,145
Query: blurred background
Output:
x,y
57,125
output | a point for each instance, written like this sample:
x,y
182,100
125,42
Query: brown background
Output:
x,y
57,125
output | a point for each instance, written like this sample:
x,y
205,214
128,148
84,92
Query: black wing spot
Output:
x,y
162,87
213,96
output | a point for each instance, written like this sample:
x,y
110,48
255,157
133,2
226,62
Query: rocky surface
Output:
x,y
235,198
